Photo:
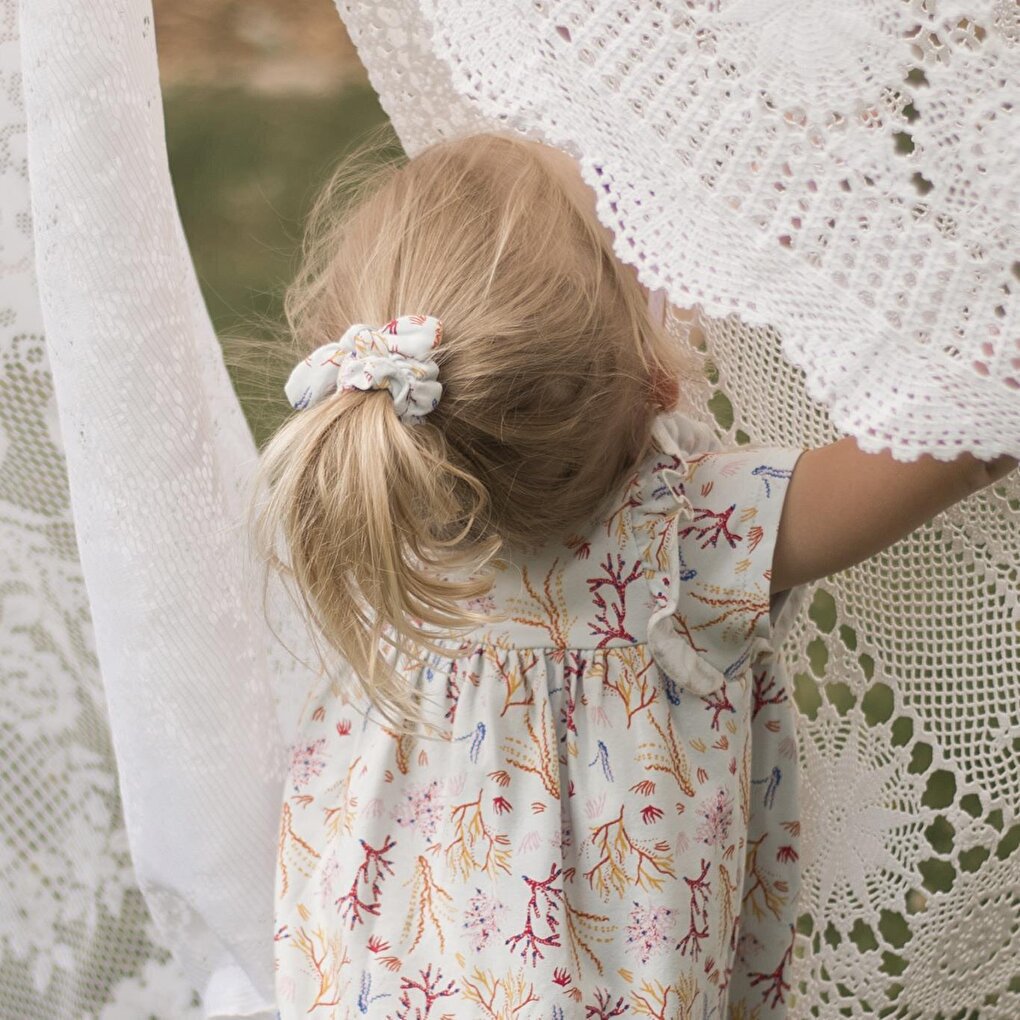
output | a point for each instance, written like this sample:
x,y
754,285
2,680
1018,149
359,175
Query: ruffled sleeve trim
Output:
x,y
662,506
708,566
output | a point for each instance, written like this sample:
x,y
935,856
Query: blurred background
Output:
x,y
261,98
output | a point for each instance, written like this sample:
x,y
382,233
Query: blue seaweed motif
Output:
x,y
686,573
673,692
737,665
773,780
767,471
603,756
477,736
365,996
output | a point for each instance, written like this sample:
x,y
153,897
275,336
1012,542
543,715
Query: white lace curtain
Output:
x,y
833,186
130,639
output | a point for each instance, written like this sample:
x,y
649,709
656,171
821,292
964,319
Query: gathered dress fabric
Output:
x,y
609,826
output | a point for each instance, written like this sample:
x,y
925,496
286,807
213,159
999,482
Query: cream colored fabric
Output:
x,y
393,357
609,823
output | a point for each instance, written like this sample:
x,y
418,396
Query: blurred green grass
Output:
x,y
245,168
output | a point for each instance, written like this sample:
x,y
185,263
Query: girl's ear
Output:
x,y
665,389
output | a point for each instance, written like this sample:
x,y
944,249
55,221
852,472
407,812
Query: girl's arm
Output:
x,y
843,505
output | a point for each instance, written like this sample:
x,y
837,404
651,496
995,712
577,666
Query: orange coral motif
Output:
x,y
618,851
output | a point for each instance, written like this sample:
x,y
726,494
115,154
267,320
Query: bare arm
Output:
x,y
844,505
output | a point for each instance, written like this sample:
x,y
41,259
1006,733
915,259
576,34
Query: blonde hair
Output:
x,y
549,364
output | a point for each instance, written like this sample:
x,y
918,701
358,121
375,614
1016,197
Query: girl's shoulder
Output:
x,y
679,559
705,521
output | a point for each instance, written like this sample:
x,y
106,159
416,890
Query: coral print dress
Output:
x,y
611,827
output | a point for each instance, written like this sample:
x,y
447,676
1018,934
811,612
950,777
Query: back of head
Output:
x,y
549,364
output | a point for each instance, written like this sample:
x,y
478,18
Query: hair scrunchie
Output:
x,y
394,357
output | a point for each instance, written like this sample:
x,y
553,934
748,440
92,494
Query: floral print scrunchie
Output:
x,y
394,357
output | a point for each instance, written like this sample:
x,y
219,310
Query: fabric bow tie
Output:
x,y
394,357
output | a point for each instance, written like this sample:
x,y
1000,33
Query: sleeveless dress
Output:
x,y
611,826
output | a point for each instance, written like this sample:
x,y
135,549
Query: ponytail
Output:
x,y
386,538
549,365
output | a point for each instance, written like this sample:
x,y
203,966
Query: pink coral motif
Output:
x,y
648,931
422,808
482,914
307,762
718,815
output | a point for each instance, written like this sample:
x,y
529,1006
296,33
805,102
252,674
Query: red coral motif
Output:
x,y
550,896
615,580
650,813
377,945
775,984
343,727
700,889
573,668
762,697
428,988
578,546
561,976
370,873
719,525
718,701
604,1008
501,804
786,853
452,693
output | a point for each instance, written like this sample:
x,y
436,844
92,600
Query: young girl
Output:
x,y
556,775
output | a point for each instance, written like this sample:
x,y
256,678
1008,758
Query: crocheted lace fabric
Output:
x,y
843,174
846,285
